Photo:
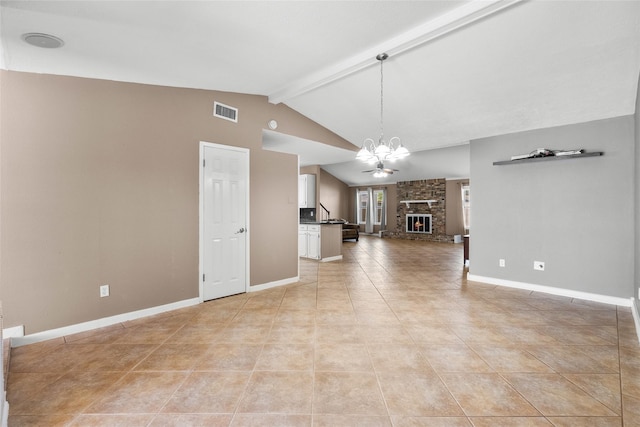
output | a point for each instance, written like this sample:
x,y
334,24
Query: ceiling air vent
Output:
x,y
225,112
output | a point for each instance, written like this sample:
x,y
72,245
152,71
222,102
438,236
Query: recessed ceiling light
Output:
x,y
43,40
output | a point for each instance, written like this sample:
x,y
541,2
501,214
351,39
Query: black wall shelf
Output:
x,y
546,159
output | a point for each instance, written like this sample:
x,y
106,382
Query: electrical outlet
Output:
x,y
104,291
538,265
501,263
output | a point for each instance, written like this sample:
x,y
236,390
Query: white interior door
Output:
x,y
223,213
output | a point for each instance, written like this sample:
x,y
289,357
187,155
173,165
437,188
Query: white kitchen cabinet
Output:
x,y
307,191
309,241
303,241
313,245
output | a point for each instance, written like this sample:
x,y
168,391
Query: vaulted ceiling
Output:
x,y
458,70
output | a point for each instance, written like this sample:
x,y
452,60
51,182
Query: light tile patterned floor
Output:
x,y
393,335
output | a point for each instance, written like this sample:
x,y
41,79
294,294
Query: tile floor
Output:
x,y
393,335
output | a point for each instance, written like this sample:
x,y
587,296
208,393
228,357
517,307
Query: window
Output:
x,y
363,201
378,204
378,197
466,207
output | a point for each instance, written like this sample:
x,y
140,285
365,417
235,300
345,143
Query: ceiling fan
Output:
x,y
381,171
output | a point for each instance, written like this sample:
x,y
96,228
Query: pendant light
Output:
x,y
377,152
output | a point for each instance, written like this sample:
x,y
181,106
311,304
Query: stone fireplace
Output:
x,y
421,202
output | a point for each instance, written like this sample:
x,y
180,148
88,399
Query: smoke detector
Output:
x,y
46,41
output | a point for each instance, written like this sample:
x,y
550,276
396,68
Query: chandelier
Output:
x,y
378,152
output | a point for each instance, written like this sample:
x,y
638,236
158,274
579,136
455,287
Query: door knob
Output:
x,y
240,231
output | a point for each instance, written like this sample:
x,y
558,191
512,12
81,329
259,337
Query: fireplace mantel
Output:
x,y
408,202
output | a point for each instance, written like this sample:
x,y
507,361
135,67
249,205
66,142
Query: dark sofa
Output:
x,y
350,231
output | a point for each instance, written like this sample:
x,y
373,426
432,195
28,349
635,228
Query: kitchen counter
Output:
x,y
324,243
322,222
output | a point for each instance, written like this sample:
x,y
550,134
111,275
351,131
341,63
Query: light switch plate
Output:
x,y
104,291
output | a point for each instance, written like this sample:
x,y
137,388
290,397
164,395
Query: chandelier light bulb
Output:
x,y
363,154
382,150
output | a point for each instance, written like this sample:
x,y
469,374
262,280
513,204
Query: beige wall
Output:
x,y
330,191
454,221
334,195
99,184
636,291
274,216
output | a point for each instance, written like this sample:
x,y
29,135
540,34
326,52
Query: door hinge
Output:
x,y
203,277
204,162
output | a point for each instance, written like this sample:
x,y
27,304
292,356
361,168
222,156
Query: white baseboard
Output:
x,y
16,331
331,258
100,323
262,287
19,339
5,413
605,299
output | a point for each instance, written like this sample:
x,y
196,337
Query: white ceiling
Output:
x,y
458,70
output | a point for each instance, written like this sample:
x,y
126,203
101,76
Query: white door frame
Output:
x,y
246,151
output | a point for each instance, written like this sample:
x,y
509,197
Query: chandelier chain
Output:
x,y
381,100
